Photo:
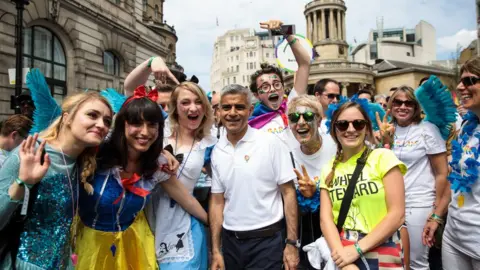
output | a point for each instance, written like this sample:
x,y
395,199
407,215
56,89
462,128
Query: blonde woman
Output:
x,y
377,209
421,147
180,239
53,182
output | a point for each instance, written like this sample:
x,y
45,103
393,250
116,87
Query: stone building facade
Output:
x,y
83,44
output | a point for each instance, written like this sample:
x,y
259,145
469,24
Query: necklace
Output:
x,y
464,162
172,201
74,256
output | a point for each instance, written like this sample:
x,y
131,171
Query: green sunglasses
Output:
x,y
307,116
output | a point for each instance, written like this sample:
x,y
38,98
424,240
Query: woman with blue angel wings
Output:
x,y
41,179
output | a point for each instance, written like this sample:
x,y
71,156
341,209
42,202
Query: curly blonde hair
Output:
x,y
71,105
207,121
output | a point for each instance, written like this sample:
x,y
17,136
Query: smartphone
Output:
x,y
287,29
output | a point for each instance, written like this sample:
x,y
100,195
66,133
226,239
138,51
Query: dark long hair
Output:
x,y
114,151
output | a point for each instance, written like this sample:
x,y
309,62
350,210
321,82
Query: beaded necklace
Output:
x,y
464,162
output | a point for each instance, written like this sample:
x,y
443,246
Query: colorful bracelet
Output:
x,y
292,42
437,218
359,250
149,65
21,183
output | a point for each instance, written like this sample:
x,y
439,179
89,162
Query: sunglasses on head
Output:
x,y
469,81
342,125
307,116
399,103
332,96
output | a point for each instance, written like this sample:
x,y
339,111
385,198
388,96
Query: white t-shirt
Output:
x,y
315,163
277,127
412,145
249,176
463,225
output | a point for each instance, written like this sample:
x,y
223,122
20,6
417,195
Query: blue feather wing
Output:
x,y
438,105
115,99
374,108
46,108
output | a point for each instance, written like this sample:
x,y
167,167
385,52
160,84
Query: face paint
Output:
x,y
274,76
302,130
260,91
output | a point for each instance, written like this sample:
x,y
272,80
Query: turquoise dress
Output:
x,y
45,238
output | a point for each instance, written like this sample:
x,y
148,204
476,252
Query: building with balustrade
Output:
x,y
327,31
83,44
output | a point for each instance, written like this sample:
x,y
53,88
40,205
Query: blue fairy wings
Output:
x,y
115,99
46,108
437,104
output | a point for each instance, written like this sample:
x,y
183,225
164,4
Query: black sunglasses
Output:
x,y
399,103
307,116
342,125
469,81
332,96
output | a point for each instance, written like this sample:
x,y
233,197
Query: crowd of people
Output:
x,y
299,181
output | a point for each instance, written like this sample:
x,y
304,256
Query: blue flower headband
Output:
x,y
370,108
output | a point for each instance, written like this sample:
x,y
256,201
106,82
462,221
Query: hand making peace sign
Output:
x,y
386,129
306,186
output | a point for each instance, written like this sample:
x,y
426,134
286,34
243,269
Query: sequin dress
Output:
x,y
114,233
45,240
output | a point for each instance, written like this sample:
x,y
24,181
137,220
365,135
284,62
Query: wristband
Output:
x,y
359,250
21,183
292,42
149,65
435,216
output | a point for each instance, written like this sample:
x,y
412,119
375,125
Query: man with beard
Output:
x,y
268,87
252,173
313,153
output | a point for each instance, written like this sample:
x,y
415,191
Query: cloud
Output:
x,y
197,30
462,38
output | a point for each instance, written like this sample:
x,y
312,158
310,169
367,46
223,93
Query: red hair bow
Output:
x,y
141,92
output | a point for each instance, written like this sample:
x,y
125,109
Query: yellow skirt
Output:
x,y
135,247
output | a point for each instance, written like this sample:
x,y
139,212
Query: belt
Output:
x,y
264,232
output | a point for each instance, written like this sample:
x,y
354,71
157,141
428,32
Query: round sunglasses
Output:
x,y
342,125
307,116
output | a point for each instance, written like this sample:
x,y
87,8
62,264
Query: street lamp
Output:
x,y
20,6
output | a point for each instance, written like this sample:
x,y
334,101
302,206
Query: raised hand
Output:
x,y
271,24
31,170
161,72
306,186
386,129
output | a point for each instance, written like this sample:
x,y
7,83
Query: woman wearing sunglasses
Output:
x,y
461,238
309,157
370,227
421,147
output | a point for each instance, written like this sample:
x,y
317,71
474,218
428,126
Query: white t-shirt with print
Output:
x,y
412,145
463,225
315,163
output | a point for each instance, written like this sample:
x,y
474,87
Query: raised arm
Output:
x,y
140,74
177,191
301,56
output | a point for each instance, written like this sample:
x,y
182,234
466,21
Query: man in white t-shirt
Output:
x,y
251,173
268,87
313,153
327,91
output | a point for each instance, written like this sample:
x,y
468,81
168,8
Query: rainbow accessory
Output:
x,y
464,164
284,55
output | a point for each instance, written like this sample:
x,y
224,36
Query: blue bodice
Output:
x,y
103,210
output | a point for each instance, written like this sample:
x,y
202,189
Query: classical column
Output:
x,y
308,26
344,88
315,27
339,26
319,26
331,27
324,24
344,32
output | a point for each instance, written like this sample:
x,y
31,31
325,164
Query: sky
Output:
x,y
196,23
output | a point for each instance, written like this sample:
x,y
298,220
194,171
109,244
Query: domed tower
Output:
x,y
326,28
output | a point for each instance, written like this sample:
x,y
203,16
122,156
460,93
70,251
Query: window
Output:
x,y
268,55
251,65
43,50
111,63
243,78
254,54
156,12
373,51
247,66
238,68
144,3
237,57
228,80
234,79
251,54
255,65
231,39
408,54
